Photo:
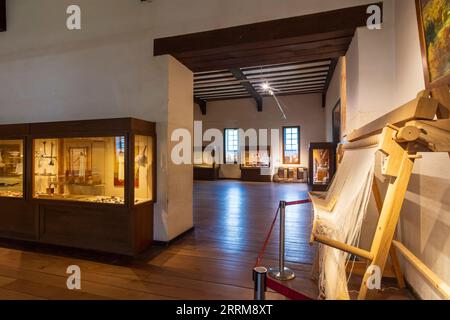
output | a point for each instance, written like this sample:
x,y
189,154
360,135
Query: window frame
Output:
x,y
226,146
284,144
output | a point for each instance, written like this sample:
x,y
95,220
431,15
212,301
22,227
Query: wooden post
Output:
x,y
392,251
399,166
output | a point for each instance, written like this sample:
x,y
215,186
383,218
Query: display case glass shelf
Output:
x,y
11,168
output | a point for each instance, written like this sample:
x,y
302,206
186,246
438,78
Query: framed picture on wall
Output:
x,y
434,32
336,122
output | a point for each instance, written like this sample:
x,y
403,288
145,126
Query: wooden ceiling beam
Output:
x,y
295,27
280,55
333,65
202,104
239,75
263,60
2,15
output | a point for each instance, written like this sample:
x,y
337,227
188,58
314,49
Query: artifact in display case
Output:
x,y
80,169
205,167
85,184
256,158
11,168
322,162
143,169
256,161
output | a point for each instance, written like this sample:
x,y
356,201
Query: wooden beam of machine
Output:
x,y
426,272
421,108
239,75
343,246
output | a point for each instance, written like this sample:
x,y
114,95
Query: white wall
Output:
x,y
106,70
301,110
384,70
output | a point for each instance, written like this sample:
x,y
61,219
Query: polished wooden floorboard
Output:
x,y
214,261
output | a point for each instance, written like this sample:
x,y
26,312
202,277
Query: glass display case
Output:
x,y
11,168
85,184
80,169
322,162
255,158
143,167
256,165
205,166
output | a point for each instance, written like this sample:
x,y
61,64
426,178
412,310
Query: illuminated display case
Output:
x,y
11,168
255,160
322,165
205,166
85,184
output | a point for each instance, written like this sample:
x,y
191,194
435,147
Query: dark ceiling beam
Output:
x,y
202,104
239,75
263,60
270,50
302,26
2,15
333,65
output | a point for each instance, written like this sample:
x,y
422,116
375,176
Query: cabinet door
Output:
x,y
88,228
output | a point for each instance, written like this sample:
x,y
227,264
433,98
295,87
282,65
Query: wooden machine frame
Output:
x,y
125,229
400,135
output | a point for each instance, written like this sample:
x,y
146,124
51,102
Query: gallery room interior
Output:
x,y
154,150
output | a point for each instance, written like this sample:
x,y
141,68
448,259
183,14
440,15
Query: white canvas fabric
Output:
x,y
351,187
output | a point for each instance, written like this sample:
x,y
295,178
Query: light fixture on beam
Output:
x,y
271,91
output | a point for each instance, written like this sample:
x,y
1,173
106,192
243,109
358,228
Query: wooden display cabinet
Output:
x,y
254,162
205,170
322,165
86,184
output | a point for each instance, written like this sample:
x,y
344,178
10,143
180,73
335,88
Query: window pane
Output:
x,y
232,145
291,154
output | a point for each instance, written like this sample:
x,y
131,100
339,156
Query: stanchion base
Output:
x,y
287,274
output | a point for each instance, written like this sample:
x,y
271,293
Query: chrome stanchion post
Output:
x,y
282,273
260,278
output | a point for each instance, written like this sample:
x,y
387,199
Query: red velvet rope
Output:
x,y
285,291
293,203
261,253
274,285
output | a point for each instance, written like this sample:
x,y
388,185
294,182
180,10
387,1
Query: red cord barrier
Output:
x,y
285,291
274,285
293,203
266,241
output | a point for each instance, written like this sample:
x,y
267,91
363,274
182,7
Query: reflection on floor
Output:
x,y
212,262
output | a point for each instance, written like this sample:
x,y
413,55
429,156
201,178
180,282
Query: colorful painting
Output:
x,y
434,30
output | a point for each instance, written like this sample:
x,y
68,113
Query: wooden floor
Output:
x,y
212,262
